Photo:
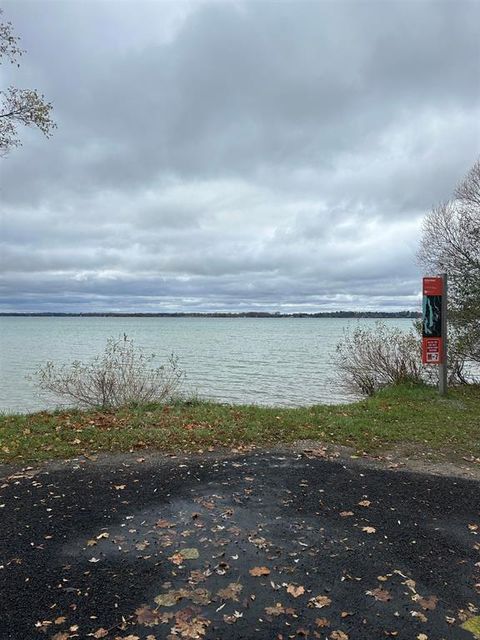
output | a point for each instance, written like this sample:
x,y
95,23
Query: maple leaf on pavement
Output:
x,y
146,615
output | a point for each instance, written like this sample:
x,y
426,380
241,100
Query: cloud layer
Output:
x,y
231,156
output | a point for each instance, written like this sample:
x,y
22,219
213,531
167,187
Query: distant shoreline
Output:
x,y
247,314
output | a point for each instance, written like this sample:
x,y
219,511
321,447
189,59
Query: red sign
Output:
x,y
432,351
432,347
433,286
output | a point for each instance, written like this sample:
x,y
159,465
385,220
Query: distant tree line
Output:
x,y
243,314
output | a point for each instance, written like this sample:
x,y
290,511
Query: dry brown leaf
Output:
x,y
192,628
164,524
60,620
418,615
99,633
322,622
61,635
141,546
233,618
184,554
275,611
295,591
338,635
231,592
369,529
177,558
380,594
319,602
364,503
428,604
146,615
346,514
259,571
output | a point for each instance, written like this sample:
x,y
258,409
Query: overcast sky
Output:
x,y
234,155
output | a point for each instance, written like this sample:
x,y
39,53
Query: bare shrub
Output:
x,y
368,360
122,375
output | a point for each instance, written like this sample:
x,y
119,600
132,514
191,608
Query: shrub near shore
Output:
x,y
413,416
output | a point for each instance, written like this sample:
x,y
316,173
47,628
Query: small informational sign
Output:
x,y
432,347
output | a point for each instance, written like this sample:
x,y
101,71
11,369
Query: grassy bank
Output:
x,y
415,418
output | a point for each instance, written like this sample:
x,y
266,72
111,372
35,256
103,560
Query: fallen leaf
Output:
x,y
146,615
364,503
346,514
259,571
164,524
233,618
319,602
338,635
275,611
199,596
428,603
60,620
167,599
295,591
61,635
420,616
176,558
190,627
422,636
380,594
472,625
141,546
99,633
369,529
231,592
322,622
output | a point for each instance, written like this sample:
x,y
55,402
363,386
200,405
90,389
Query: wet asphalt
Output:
x,y
94,549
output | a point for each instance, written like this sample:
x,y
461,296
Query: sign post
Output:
x,y
434,327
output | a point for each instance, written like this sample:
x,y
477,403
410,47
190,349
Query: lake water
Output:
x,y
268,361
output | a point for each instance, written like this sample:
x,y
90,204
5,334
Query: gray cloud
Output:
x,y
236,155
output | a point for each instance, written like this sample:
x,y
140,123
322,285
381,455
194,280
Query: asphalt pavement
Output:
x,y
262,545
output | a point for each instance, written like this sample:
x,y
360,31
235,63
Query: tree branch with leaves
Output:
x,y
26,107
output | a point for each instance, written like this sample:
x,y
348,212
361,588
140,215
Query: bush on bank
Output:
x,y
368,360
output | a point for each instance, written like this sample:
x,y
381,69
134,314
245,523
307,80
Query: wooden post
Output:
x,y
442,369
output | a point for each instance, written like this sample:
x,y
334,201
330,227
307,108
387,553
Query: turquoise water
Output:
x,y
277,361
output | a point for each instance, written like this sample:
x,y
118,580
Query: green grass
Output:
x,y
414,418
